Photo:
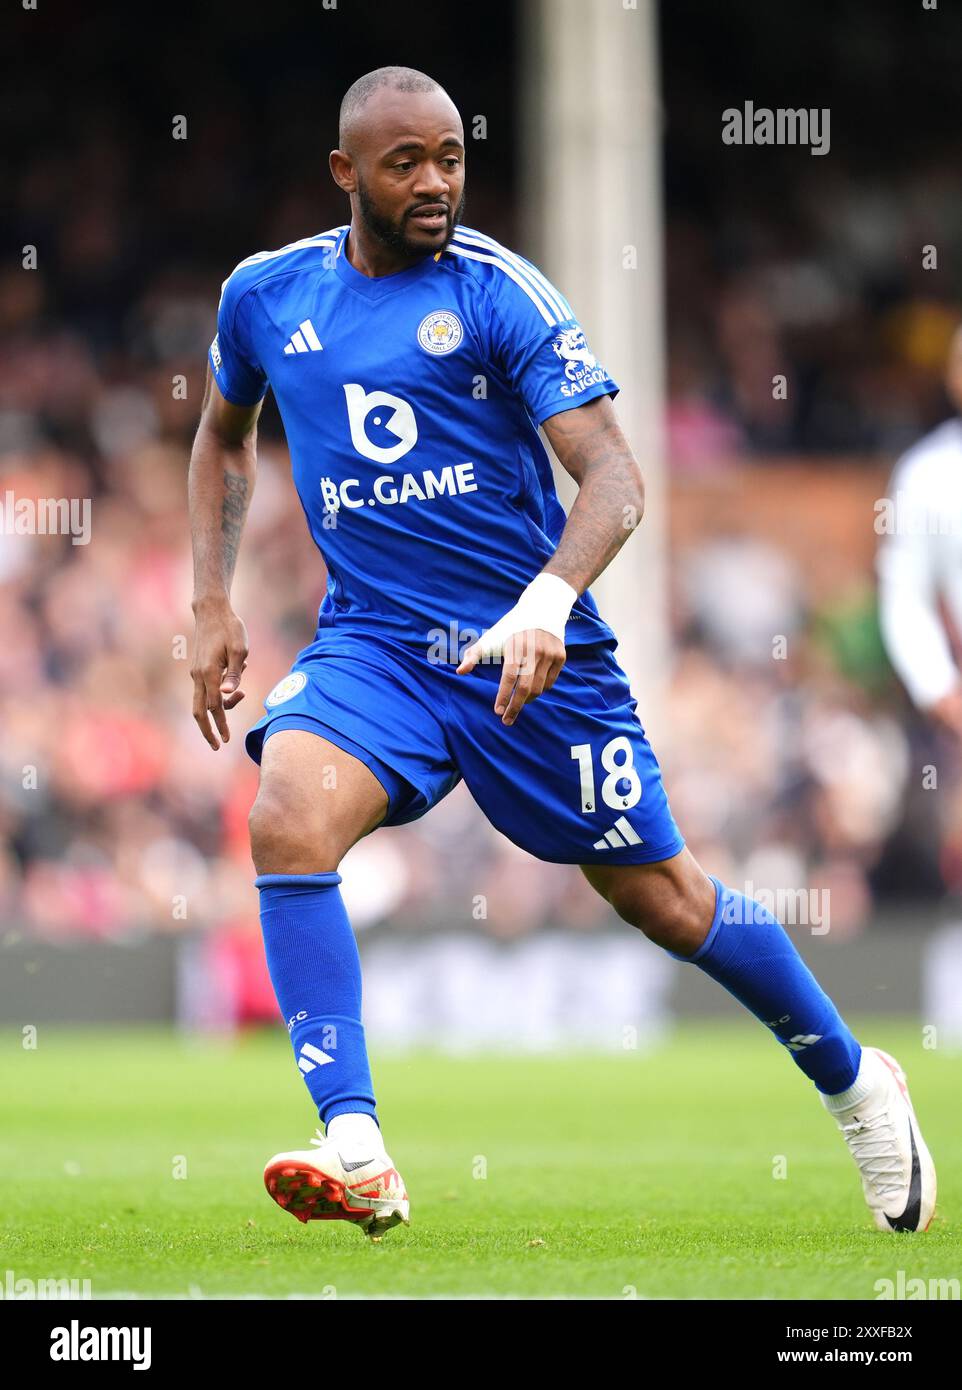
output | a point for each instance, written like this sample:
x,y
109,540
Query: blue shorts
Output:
x,y
572,781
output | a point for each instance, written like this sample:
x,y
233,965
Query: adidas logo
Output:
x,y
312,1057
613,840
802,1040
304,340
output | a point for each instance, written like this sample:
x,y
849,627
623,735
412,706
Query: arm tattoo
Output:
x,y
232,518
605,511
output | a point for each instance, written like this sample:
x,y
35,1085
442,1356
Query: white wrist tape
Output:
x,y
546,604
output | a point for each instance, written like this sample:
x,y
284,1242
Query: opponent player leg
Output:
x,y
741,945
315,801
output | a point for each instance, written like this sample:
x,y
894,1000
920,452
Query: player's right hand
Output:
x,y
220,655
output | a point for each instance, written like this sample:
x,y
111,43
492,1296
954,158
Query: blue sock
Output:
x,y
316,973
750,953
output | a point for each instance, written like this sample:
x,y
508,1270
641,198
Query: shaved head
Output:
x,y
401,162
356,96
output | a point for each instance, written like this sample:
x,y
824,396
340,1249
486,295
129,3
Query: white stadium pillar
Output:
x,y
590,203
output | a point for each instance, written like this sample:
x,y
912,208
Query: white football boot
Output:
x,y
318,1184
880,1128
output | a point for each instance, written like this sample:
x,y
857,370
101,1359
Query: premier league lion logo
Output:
x,y
571,346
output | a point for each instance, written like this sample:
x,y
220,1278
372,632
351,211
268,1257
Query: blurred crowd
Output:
x,y
821,328
115,817
810,295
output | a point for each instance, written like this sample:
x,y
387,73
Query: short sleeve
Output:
x,y
541,345
238,374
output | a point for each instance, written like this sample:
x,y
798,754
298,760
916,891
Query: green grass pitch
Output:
x,y
553,1176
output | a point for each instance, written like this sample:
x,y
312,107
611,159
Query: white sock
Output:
x,y
356,1131
862,1086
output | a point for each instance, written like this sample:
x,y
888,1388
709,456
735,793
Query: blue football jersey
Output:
x,y
411,404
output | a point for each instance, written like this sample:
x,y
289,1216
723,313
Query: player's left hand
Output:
x,y
531,663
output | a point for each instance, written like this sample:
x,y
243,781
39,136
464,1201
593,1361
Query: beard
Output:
x,y
391,232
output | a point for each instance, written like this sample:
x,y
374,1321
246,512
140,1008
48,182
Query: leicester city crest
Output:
x,y
286,689
440,332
